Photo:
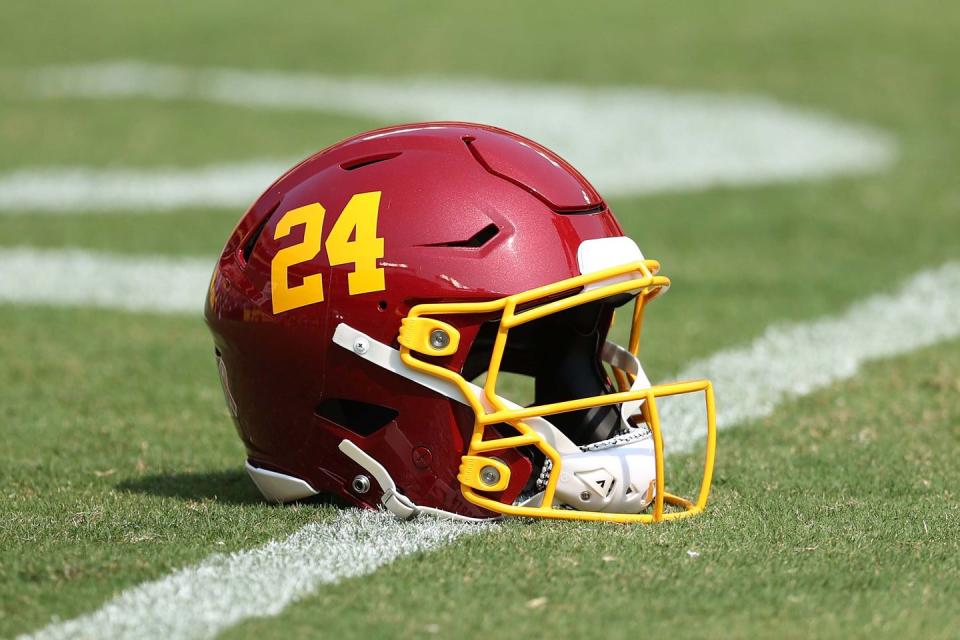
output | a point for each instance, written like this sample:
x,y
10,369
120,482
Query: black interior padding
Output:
x,y
252,239
362,418
475,241
562,353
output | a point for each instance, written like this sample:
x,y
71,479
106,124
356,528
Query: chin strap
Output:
x,y
392,500
621,358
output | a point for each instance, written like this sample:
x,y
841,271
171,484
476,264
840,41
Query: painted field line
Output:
x,y
127,190
202,600
793,360
788,361
68,277
629,140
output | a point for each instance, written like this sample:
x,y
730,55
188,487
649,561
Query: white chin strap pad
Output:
x,y
616,475
617,479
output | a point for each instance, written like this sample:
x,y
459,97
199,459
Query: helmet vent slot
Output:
x,y
251,242
475,241
600,208
361,418
572,198
365,161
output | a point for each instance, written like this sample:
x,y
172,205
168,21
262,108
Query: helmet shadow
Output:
x,y
228,487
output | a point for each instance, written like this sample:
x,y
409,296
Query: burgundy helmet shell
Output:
x,y
358,235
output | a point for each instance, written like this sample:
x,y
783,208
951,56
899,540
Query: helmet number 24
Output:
x,y
359,220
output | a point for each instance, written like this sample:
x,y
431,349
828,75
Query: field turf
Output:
x,y
837,516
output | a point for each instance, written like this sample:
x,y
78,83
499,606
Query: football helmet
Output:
x,y
364,309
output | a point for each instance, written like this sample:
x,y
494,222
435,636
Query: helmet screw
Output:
x,y
422,457
361,345
360,484
439,339
489,475
585,496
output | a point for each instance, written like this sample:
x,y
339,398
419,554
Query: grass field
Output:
x,y
835,516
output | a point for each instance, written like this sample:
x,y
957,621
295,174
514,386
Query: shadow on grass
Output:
x,y
228,487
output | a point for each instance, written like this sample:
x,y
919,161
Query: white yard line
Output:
x,y
788,361
629,140
796,359
68,277
204,599
127,190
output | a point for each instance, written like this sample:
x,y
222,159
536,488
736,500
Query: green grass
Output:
x,y
835,517
109,477
198,232
101,133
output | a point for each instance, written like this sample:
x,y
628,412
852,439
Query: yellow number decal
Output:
x,y
286,297
359,220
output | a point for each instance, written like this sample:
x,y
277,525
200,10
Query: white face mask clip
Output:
x,y
392,500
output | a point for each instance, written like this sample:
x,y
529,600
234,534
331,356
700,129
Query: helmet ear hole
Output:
x,y
362,418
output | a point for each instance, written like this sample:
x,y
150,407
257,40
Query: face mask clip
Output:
x,y
392,500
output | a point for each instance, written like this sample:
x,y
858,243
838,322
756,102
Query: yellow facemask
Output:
x,y
424,332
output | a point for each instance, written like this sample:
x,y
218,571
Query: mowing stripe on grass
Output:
x,y
629,140
78,189
68,277
793,360
202,600
788,361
